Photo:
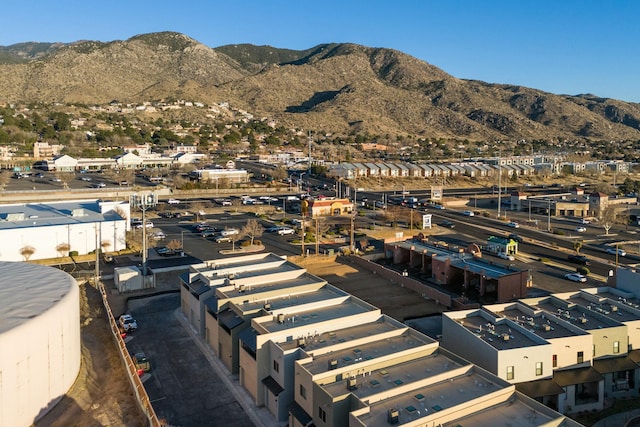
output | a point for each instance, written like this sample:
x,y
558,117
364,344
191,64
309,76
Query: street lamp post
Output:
x,y
549,217
144,202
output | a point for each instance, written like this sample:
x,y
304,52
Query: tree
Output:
x,y
27,251
609,216
252,230
577,245
198,209
4,179
63,249
66,178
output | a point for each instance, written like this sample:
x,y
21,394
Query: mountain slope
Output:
x,y
336,88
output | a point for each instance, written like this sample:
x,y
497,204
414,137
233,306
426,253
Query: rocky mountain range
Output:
x,y
334,88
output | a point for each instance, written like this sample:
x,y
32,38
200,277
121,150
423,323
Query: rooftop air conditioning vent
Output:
x,y
393,416
280,318
351,384
333,364
267,306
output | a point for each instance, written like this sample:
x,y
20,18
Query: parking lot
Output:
x,y
184,385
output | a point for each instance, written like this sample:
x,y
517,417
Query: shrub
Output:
x,y
245,243
73,253
583,270
257,242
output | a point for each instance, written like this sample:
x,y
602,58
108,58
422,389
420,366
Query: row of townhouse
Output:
x,y
571,351
486,169
313,354
423,170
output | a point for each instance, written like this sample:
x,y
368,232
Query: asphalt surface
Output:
x,y
183,386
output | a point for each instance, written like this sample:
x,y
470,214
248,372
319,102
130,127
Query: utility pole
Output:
x,y
317,237
499,181
143,202
97,273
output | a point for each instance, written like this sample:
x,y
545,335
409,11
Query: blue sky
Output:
x,y
559,46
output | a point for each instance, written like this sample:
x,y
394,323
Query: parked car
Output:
x,y
164,251
506,256
127,323
229,232
210,232
99,185
576,277
579,259
142,362
158,235
223,239
86,178
513,224
615,251
148,224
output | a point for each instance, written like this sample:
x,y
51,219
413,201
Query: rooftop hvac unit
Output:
x,y
583,320
505,337
267,306
393,416
351,384
614,308
546,327
301,342
333,364
241,288
280,318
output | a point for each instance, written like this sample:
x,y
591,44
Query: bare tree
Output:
x,y
252,230
27,251
174,245
66,178
609,217
364,244
63,249
105,245
197,208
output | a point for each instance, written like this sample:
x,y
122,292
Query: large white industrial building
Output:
x,y
39,340
82,224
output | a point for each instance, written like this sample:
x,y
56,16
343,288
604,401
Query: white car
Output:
x,y
614,251
468,213
148,224
513,224
158,235
229,232
506,256
576,277
173,201
283,231
86,178
127,323
581,229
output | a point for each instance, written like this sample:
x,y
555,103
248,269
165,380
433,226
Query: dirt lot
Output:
x,y
101,395
399,303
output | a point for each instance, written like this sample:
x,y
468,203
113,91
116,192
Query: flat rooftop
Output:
x,y
318,341
615,311
460,260
222,267
381,380
24,215
259,287
350,306
365,353
293,299
512,412
423,402
545,326
575,314
497,332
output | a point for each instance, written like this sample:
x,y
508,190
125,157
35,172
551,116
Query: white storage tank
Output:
x,y
39,340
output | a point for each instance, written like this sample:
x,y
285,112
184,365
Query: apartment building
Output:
x,y
315,355
570,351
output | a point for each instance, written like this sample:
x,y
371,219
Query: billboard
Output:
x,y
436,192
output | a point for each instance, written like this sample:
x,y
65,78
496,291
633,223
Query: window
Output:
x,y
538,369
276,366
303,392
554,360
593,351
616,347
510,374
580,356
322,414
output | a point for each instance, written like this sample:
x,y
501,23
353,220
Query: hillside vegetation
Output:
x,y
336,88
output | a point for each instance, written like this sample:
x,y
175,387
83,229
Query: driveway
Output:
x,y
184,389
